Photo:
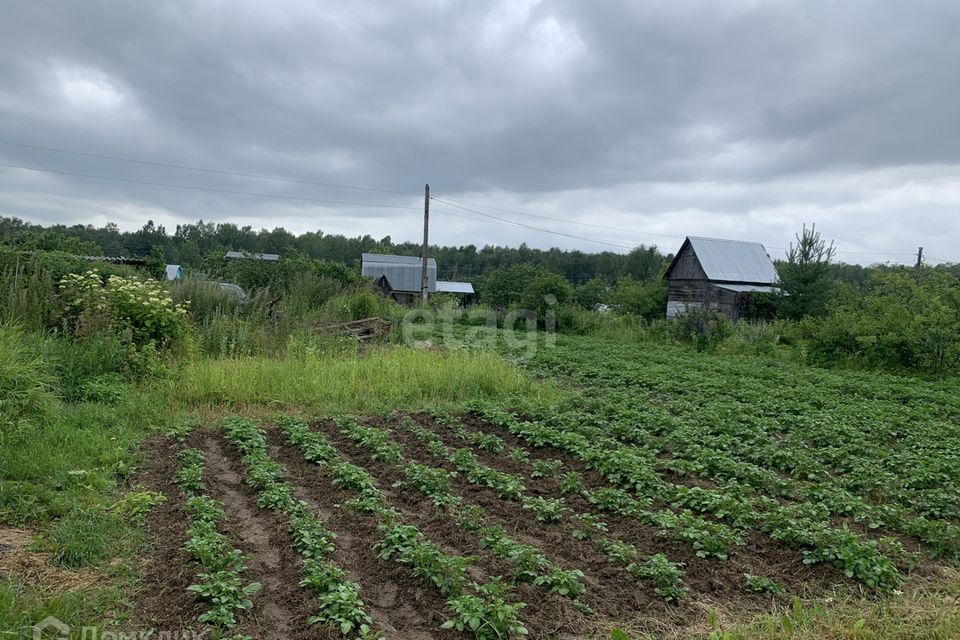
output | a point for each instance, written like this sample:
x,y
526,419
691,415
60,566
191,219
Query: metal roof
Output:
x,y
402,272
268,257
454,287
748,288
382,257
734,260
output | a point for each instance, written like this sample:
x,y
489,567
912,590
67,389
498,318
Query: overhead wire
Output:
x,y
565,221
209,189
526,226
224,172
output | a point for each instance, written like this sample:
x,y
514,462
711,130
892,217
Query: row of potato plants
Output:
x,y
220,585
545,510
530,563
871,435
709,539
734,458
739,504
340,604
482,609
624,466
665,574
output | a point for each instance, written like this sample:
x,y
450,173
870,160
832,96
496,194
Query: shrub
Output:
x,y
906,319
138,309
704,327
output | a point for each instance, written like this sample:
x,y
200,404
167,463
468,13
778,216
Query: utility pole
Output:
x,y
424,278
919,257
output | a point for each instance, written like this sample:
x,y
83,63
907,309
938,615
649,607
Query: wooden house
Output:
x,y
718,274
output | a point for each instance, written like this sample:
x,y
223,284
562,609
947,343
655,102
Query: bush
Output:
x,y
906,319
141,310
702,326
645,299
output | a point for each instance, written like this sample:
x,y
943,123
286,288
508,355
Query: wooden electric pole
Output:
x,y
424,275
919,257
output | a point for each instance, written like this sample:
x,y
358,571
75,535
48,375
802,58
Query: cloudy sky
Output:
x,y
615,121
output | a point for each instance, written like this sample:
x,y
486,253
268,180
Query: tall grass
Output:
x,y
386,379
26,387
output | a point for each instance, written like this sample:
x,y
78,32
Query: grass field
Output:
x,y
596,489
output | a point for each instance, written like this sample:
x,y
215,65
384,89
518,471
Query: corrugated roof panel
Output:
x,y
402,272
454,287
372,258
734,260
748,288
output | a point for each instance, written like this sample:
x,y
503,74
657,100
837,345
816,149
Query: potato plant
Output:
x,y
221,584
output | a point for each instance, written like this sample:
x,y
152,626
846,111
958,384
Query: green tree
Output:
x,y
645,299
907,319
591,293
157,263
806,278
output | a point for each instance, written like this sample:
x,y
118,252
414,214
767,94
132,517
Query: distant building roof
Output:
x,y
732,260
174,272
267,257
454,287
376,258
403,273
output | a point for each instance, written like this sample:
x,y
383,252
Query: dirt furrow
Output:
x,y
162,601
282,607
546,613
401,604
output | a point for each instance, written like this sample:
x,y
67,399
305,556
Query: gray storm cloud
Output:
x,y
734,119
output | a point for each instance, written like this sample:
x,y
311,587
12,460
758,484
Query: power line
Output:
x,y
209,189
223,172
583,224
526,226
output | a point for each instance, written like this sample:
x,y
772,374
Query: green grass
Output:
x,y
386,379
926,610
22,606
74,457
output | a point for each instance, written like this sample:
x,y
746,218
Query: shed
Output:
x,y
398,276
720,274
174,272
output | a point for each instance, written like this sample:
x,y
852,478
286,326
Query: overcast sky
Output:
x,y
648,120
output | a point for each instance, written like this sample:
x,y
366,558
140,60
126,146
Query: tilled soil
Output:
x,y
546,614
406,606
709,579
401,604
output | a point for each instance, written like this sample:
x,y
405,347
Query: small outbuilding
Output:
x,y
718,274
174,272
399,277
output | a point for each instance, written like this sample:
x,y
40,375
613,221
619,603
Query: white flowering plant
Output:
x,y
140,309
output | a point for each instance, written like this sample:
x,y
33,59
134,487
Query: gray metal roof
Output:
x,y
734,260
454,287
402,272
268,257
748,288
